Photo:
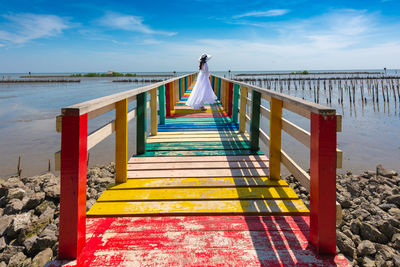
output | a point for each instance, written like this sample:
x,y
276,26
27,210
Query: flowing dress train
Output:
x,y
202,91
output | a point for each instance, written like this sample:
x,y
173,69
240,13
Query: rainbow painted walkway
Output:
x,y
199,196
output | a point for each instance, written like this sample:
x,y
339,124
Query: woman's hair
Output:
x,y
202,61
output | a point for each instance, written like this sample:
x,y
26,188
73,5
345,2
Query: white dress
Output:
x,y
202,91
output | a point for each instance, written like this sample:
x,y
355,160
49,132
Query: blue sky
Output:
x,y
134,36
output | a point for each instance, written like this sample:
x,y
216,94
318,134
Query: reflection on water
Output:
x,y
27,122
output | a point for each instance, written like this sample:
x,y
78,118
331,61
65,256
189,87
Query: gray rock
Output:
x,y
34,229
10,251
394,222
361,214
387,206
366,248
369,232
385,173
19,222
90,203
17,260
28,244
368,262
27,262
35,200
353,189
394,200
395,212
12,182
43,206
396,260
14,206
355,227
3,264
345,244
385,251
5,222
18,193
52,192
2,243
46,240
396,241
42,258
387,229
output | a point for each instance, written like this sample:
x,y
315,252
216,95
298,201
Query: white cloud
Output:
x,y
268,13
129,23
24,27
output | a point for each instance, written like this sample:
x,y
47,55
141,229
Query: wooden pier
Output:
x,y
199,191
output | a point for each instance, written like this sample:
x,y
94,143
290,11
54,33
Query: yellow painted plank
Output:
x,y
198,165
199,193
198,182
198,173
240,158
198,139
249,207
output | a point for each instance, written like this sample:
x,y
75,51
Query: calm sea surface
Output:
x,y
371,133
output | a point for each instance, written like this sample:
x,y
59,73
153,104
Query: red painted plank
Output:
x,y
200,115
323,183
73,186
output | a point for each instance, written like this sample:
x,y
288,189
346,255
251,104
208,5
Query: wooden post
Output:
x,y
243,105
167,100
323,183
172,97
141,128
72,229
235,103
230,99
219,89
153,106
121,141
161,103
255,121
275,131
186,83
180,89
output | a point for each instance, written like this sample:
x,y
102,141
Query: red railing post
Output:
x,y
73,186
323,183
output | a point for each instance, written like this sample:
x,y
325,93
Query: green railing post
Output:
x,y
255,121
180,89
141,128
235,108
219,89
161,103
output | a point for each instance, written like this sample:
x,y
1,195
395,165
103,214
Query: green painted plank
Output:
x,y
161,101
141,123
200,153
235,104
255,121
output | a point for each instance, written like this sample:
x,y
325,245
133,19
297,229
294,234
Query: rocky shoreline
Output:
x,y
369,234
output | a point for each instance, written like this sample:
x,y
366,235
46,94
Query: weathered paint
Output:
x,y
243,104
161,103
255,120
275,138
153,110
235,103
167,100
141,131
121,140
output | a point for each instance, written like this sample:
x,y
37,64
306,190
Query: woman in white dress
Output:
x,y
202,91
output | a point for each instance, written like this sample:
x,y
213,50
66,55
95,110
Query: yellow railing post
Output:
x,y
243,104
275,130
121,141
153,106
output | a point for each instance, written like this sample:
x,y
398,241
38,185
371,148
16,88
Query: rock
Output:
x,y
3,264
45,240
360,213
14,206
369,232
2,243
394,200
396,260
12,182
345,244
34,229
28,244
396,241
27,262
387,229
52,192
385,251
353,189
355,227
35,200
42,258
90,203
42,207
10,251
17,193
366,248
387,206
5,222
385,173
17,260
19,222
395,212
368,262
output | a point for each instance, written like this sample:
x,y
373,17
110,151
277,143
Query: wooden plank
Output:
x,y
100,134
95,113
168,108
161,103
198,165
198,182
203,152
121,141
301,175
141,124
153,106
339,158
131,114
192,146
247,207
197,139
255,120
211,193
296,109
235,105
198,159
243,172
295,131
338,123
275,138
243,105
207,133
59,124
212,134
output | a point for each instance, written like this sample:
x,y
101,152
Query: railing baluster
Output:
x,y
323,183
121,141
275,132
219,89
243,104
180,89
235,103
141,128
153,106
230,99
161,103
255,121
167,100
73,186
172,97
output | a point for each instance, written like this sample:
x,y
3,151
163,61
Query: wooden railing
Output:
x,y
321,140
75,143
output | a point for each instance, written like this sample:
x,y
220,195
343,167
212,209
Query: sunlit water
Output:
x,y
28,111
